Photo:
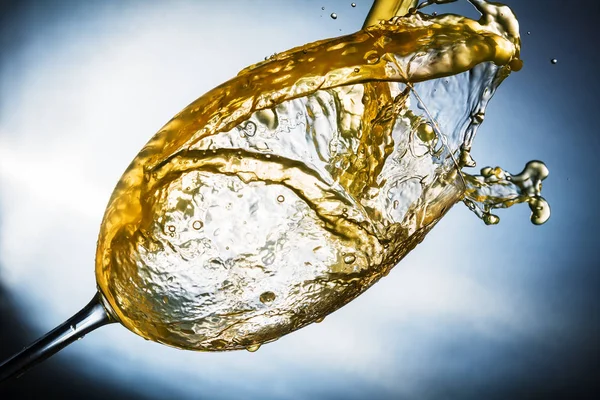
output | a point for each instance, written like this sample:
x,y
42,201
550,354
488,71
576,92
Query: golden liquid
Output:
x,y
284,193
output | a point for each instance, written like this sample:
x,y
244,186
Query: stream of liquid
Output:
x,y
284,193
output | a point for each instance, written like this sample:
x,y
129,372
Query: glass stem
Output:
x,y
92,316
387,9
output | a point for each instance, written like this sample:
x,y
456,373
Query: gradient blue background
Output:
x,y
510,311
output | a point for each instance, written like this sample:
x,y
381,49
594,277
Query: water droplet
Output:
x,y
529,32
349,259
540,210
434,13
491,219
165,299
171,228
333,16
554,61
322,8
280,198
353,4
197,225
253,347
357,70
267,297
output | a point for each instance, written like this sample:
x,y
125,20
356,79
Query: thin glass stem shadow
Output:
x,y
91,317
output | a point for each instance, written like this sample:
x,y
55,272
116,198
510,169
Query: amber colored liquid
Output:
x,y
284,193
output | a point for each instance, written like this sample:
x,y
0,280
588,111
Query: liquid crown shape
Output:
x,y
286,192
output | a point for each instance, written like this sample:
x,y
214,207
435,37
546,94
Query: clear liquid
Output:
x,y
283,194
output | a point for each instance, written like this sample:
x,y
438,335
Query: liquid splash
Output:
x,y
496,188
283,194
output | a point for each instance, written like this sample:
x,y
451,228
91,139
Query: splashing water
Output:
x,y
496,188
283,194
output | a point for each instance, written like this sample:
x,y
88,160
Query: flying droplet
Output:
x,y
267,297
322,8
171,228
491,219
197,225
357,70
434,14
554,61
540,210
529,32
253,347
353,4
349,259
280,198
333,16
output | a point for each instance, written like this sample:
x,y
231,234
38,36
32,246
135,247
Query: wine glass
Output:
x,y
109,305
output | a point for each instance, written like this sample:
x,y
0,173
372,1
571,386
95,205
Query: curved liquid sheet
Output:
x,y
281,195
